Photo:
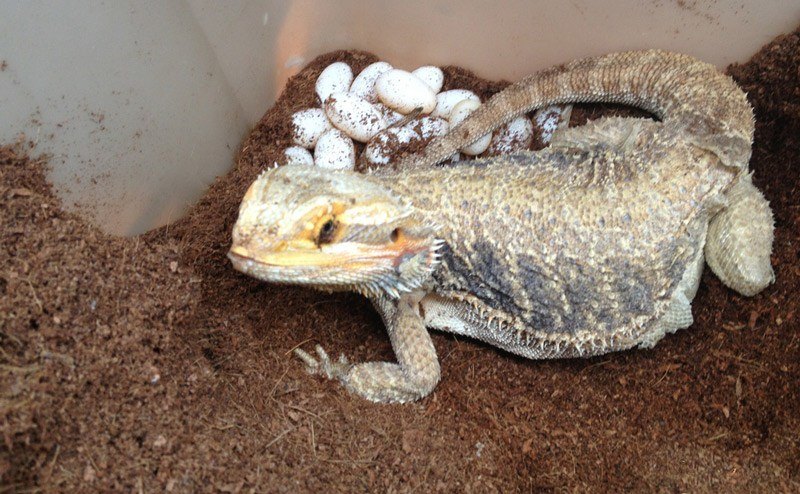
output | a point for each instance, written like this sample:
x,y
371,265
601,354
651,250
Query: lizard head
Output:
x,y
331,230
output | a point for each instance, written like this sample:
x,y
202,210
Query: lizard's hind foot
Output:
x,y
322,365
740,240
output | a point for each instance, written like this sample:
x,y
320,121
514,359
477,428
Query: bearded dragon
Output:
x,y
592,245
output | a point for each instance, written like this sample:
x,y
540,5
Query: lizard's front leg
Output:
x,y
414,375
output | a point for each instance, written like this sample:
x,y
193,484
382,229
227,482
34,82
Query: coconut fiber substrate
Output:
x,y
148,364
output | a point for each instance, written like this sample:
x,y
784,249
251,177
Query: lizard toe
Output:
x,y
322,363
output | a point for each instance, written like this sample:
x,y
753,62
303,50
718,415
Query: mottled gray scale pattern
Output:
x,y
485,279
584,240
544,292
636,296
490,270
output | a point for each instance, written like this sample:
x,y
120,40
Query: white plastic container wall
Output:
x,y
142,103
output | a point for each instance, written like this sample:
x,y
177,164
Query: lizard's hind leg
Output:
x,y
740,239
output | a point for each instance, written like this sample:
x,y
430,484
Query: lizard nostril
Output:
x,y
394,235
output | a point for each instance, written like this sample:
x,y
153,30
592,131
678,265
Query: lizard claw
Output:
x,y
322,364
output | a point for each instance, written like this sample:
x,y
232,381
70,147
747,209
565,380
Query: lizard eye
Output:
x,y
326,232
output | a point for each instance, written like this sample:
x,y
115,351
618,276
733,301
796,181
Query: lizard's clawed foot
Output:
x,y
322,364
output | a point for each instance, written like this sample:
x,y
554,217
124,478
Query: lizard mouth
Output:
x,y
326,264
300,268
304,253
367,268
341,256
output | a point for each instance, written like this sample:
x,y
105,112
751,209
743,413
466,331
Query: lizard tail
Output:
x,y
678,89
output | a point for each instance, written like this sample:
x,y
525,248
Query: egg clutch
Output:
x,y
391,110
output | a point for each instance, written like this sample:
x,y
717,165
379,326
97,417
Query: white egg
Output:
x,y
364,84
390,116
514,136
356,117
460,112
381,149
551,118
404,92
384,147
296,155
432,76
429,127
308,125
335,151
446,100
337,77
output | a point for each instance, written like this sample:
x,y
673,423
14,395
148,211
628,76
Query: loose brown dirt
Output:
x,y
147,364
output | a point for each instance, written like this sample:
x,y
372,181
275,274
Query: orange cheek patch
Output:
x,y
404,246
